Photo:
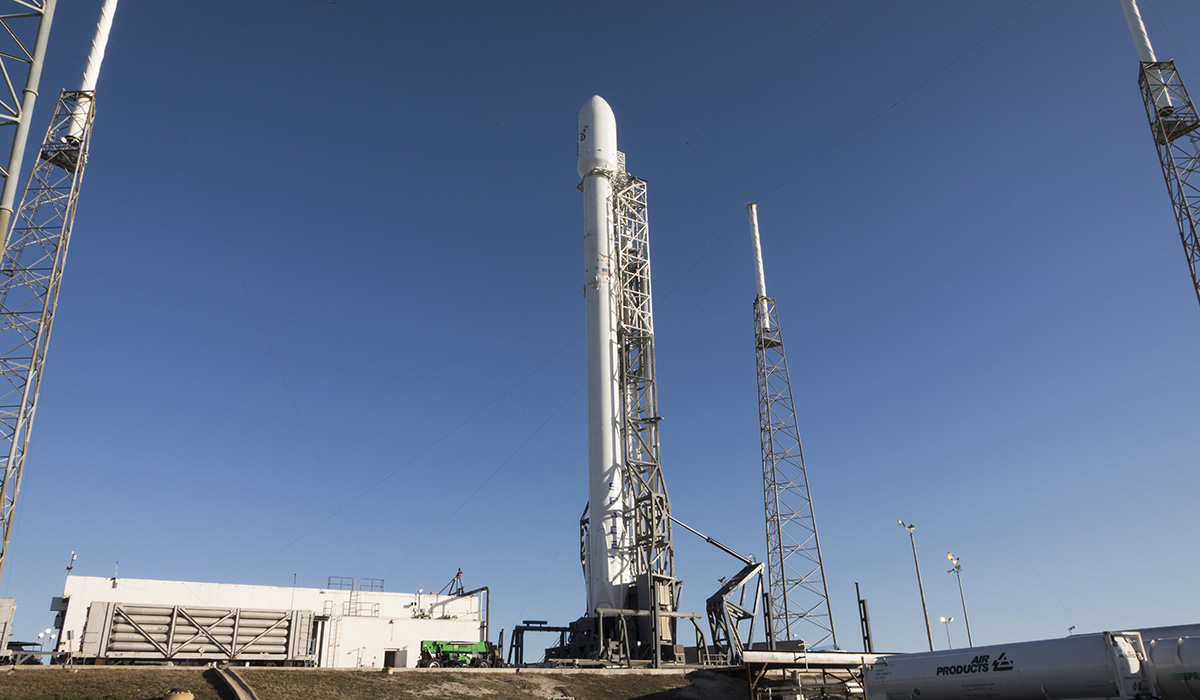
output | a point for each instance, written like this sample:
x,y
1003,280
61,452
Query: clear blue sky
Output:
x,y
322,314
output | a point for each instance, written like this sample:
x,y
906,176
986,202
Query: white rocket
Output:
x,y
607,562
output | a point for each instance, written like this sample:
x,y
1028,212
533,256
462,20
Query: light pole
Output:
x,y
920,586
946,622
48,635
957,571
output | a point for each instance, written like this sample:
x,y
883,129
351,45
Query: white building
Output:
x,y
108,620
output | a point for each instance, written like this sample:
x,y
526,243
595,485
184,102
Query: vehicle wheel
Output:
x,y
433,664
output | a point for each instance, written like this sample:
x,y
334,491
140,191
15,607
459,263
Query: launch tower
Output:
x,y
626,545
800,609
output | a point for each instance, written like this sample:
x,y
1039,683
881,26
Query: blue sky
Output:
x,y
322,314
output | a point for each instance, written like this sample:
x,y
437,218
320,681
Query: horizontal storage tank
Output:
x,y
118,631
1084,667
1176,664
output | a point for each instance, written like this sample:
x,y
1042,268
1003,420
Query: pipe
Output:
x,y
9,192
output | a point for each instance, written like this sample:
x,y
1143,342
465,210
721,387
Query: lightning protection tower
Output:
x,y
31,270
800,608
1173,124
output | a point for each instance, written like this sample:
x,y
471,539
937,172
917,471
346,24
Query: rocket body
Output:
x,y
607,562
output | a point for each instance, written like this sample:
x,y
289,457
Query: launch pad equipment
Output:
x,y
627,553
124,633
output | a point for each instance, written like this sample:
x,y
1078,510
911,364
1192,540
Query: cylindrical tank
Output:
x,y
1075,668
1176,664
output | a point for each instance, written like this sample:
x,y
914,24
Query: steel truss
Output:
x,y
732,621
648,508
1172,118
799,596
30,277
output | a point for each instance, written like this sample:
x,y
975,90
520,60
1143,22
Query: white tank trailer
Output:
x,y
1105,666
1176,664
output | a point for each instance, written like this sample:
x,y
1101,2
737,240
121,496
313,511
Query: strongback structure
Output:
x,y
626,547
31,268
1173,124
642,485
799,596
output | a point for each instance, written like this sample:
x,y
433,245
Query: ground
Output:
x,y
126,683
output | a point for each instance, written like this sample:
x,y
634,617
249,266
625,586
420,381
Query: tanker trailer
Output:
x,y
1176,664
1104,666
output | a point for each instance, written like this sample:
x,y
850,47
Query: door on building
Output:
x,y
395,658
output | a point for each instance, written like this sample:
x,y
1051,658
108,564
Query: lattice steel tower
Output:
x,y
1173,123
800,608
31,268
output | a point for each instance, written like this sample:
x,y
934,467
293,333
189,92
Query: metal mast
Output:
x,y
26,31
645,492
31,270
799,596
1173,123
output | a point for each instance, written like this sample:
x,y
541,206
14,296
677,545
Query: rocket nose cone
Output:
x,y
596,137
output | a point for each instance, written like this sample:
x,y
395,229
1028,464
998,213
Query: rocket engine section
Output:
x,y
1083,667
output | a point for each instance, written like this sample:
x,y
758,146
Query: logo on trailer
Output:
x,y
979,664
1002,663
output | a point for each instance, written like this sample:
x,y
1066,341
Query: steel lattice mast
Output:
x,y
31,270
800,609
1173,124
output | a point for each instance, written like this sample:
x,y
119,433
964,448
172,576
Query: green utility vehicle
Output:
x,y
476,654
